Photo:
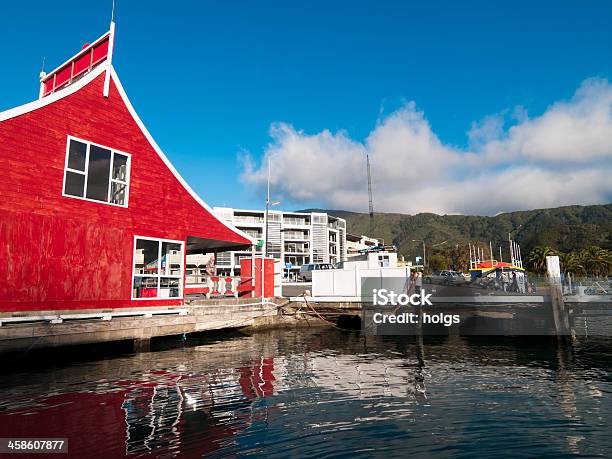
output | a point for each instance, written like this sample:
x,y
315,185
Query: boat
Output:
x,y
497,274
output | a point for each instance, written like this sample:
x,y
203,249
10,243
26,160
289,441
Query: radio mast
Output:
x,y
371,203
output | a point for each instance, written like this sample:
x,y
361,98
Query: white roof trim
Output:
x,y
60,94
166,161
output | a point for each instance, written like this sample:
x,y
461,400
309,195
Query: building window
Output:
x,y
383,261
158,268
96,173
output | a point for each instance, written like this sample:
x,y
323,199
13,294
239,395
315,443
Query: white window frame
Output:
x,y
86,172
159,276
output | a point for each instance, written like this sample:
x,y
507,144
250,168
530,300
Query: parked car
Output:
x,y
306,270
445,277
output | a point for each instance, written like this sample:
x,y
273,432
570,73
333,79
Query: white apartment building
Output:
x,y
295,238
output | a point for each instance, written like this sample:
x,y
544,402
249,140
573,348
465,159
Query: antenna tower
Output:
x,y
371,203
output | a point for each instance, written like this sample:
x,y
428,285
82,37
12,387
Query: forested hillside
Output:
x,y
564,229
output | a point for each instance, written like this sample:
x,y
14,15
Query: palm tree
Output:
x,y
571,263
536,260
596,261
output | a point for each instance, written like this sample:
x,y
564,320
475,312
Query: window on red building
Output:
x,y
96,173
158,268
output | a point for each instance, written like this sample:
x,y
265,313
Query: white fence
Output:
x,y
345,284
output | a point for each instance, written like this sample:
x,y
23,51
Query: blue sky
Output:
x,y
209,79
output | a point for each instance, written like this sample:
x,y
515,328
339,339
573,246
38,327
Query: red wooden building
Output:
x,y
92,213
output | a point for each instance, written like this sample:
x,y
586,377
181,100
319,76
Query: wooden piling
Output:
x,y
560,314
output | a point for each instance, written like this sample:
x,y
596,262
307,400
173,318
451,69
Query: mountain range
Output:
x,y
566,229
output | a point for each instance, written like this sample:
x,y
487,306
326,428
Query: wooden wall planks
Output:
x,y
63,253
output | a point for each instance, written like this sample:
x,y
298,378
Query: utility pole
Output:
x,y
424,264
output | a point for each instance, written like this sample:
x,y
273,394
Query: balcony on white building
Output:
x,y
297,248
296,221
292,235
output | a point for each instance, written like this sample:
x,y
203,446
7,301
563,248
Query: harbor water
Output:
x,y
319,393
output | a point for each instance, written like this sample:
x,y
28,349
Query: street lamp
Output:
x,y
268,204
263,260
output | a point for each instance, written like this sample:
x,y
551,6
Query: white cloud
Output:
x,y
562,157
576,131
483,132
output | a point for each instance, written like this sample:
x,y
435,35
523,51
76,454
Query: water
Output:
x,y
321,393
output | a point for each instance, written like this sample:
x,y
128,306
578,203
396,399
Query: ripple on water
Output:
x,y
322,394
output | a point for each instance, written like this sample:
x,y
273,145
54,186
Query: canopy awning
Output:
x,y
202,245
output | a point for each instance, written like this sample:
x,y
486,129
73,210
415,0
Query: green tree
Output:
x,y
459,257
572,263
536,260
596,261
437,262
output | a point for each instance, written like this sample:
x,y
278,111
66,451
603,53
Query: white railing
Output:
x,y
295,221
217,286
247,219
296,236
60,318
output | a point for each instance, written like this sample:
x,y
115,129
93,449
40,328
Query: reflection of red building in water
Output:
x,y
165,413
257,380
93,213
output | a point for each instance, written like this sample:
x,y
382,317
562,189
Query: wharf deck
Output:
x,y
43,329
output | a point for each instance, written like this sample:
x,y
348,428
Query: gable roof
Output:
x,y
60,94
81,83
